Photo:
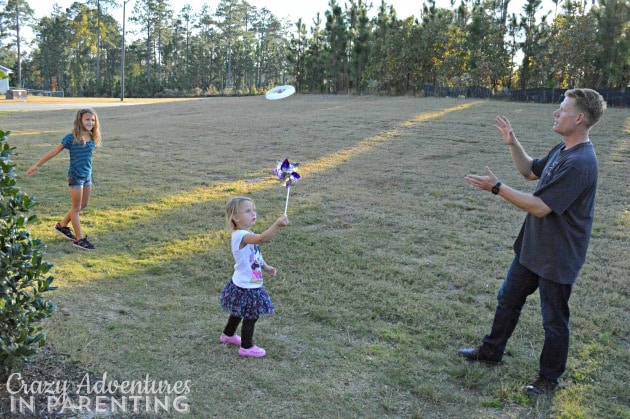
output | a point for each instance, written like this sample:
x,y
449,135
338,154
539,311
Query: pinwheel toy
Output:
x,y
285,172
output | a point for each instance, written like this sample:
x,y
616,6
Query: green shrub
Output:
x,y
23,274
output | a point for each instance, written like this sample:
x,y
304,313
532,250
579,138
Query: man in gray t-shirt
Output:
x,y
551,246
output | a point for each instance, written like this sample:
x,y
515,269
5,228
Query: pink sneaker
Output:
x,y
233,340
254,351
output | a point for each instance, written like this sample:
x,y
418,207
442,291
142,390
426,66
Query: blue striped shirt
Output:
x,y
80,156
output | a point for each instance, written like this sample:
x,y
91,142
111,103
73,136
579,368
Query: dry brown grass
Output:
x,y
78,100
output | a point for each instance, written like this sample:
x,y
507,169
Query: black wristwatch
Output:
x,y
495,188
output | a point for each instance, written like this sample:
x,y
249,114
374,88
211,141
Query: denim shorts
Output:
x,y
79,182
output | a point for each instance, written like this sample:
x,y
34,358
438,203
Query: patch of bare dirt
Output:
x,y
37,382
53,386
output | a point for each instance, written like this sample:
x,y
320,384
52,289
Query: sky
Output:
x,y
291,9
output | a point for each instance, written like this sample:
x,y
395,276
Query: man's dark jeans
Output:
x,y
519,283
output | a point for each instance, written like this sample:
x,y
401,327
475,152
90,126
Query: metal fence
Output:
x,y
614,97
35,92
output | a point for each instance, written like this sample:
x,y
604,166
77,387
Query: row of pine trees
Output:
x,y
352,47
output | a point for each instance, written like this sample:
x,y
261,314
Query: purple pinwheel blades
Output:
x,y
285,171
293,177
285,166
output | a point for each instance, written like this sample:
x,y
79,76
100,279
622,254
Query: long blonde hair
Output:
x,y
231,209
78,130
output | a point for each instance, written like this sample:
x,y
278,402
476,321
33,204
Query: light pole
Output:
x,y
122,56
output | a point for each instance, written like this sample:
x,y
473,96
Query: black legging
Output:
x,y
247,330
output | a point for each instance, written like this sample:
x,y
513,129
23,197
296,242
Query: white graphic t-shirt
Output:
x,y
248,262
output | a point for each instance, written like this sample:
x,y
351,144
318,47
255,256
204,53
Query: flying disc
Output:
x,y
280,92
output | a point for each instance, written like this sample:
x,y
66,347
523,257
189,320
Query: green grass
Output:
x,y
391,263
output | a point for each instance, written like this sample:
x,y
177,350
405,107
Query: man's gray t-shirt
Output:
x,y
554,247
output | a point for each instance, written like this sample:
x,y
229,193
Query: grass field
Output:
x,y
391,263
55,100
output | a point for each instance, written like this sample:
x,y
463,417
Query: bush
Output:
x,y
23,273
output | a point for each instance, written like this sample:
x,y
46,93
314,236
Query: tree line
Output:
x,y
238,48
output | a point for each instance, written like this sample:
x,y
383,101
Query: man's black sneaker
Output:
x,y
477,354
541,387
83,244
65,231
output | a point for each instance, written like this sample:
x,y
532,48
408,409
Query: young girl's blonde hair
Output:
x,y
78,130
231,209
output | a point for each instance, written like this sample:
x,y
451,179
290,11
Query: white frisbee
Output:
x,y
280,92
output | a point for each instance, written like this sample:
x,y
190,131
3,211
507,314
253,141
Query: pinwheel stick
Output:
x,y
286,204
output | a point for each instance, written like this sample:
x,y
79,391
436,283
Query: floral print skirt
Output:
x,y
248,303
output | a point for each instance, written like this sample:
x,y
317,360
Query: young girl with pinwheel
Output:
x,y
244,296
